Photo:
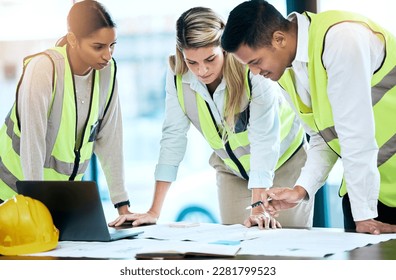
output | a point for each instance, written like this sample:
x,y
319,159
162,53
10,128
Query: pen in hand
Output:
x,y
257,203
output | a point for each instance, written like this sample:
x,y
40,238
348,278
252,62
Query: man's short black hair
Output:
x,y
252,23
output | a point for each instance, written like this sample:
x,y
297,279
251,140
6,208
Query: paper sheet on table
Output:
x,y
203,232
308,243
315,243
128,248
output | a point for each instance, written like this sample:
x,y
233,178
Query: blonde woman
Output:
x,y
242,117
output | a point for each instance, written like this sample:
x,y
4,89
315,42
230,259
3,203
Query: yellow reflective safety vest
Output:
x,y
383,93
235,150
65,159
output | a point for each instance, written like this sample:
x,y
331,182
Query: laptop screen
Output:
x,y
75,206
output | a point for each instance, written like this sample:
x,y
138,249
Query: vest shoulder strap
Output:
x,y
110,96
26,61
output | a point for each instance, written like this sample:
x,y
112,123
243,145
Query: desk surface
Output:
x,y
381,251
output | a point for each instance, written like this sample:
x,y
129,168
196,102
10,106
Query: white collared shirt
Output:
x,y
263,130
352,53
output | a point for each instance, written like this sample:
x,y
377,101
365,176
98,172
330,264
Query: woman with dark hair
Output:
x,y
66,109
256,138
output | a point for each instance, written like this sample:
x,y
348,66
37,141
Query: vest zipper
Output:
x,y
236,161
77,149
228,149
76,164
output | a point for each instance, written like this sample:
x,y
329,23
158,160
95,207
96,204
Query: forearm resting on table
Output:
x,y
161,189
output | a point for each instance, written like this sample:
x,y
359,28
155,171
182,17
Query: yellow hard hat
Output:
x,y
26,227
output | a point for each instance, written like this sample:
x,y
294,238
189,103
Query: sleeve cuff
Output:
x,y
310,187
260,179
164,172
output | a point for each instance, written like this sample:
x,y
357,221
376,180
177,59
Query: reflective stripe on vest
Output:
x,y
64,159
383,97
236,151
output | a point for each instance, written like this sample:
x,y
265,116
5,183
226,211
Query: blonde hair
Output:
x,y
202,27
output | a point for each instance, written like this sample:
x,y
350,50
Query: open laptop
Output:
x,y
76,210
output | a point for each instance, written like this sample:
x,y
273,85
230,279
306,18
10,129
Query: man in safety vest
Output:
x,y
338,71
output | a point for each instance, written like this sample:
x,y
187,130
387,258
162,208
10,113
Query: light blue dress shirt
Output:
x,y
263,129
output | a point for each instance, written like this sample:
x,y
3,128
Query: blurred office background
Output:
x,y
146,37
